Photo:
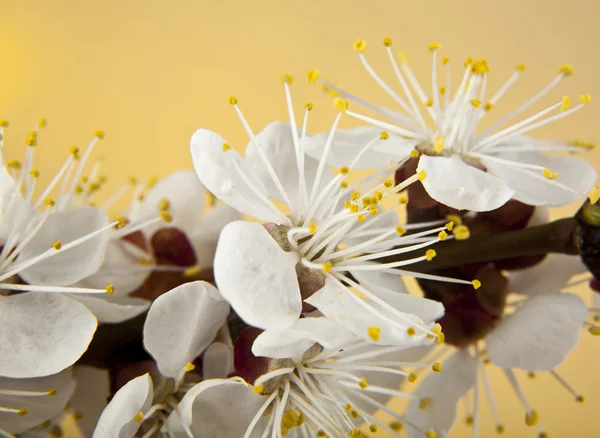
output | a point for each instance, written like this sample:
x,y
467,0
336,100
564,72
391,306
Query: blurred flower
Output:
x,y
472,170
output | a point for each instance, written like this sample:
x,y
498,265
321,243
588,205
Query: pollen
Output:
x,y
403,200
354,209
532,418
442,235
373,428
433,47
233,100
309,106
287,78
476,103
31,139
355,196
21,412
327,267
344,184
566,102
445,60
414,153
412,377
349,408
121,222
366,200
373,211
566,70
421,174
439,144
488,106
4,123
49,202
258,389
374,333
396,426
99,134
500,429
411,331
468,61
400,230
360,46
388,183
109,289
430,254
580,399
139,417
425,402
384,135
133,180
57,245
442,91
340,104
164,204
226,147
549,174
363,383
189,367
387,41
344,170
13,164
35,173
461,232
585,98
313,75
192,271
476,284
428,102
431,433
360,218
437,367
166,216
594,330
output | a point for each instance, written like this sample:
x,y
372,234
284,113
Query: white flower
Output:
x,y
181,324
475,169
544,327
325,392
333,228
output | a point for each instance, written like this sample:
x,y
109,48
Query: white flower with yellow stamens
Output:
x,y
327,229
471,169
324,392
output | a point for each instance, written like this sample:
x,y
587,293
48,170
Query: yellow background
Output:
x,y
150,72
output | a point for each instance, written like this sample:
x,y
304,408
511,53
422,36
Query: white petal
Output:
x,y
444,389
216,408
91,396
42,333
347,143
118,419
338,305
206,234
257,277
39,409
576,174
217,361
217,172
454,183
113,309
185,194
182,323
12,215
423,308
539,334
70,265
546,277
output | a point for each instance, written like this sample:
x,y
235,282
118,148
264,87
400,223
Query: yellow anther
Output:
x,y
313,75
445,60
354,209
373,211
440,339
34,173
580,399
192,271
469,420
4,123
374,333
166,216
233,100
566,70
543,435
31,139
49,202
433,47
456,219
366,200
442,91
121,222
144,262
57,245
46,424
400,230
431,433
360,218
327,267
412,377
373,428
532,418
356,433
93,187
402,57
387,41
349,408
411,331
437,367
566,102
586,144
340,104
309,106
428,102
585,98
22,411
430,254
287,78
374,200
99,134
521,67
139,417
594,330
360,46
388,183
74,151
442,235
13,164
258,389
42,122
549,174
476,103
363,383
383,135
321,434
500,429
468,61
421,174
461,232
355,414
345,170
531,375
397,426
439,144
312,228
189,367
164,204
414,153
378,195
425,402
109,289
225,147
403,200
488,106
476,284
355,196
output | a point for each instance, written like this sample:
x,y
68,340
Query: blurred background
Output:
x,y
151,72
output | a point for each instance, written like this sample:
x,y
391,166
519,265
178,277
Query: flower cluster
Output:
x,y
265,294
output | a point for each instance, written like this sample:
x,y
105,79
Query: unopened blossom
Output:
x,y
468,167
327,228
181,325
336,384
